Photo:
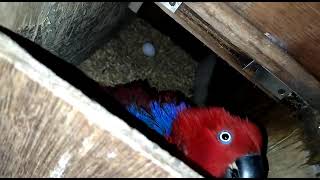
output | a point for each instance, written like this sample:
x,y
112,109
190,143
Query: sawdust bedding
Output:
x,y
122,60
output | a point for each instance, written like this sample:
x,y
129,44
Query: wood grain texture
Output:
x,y
296,24
210,37
232,38
287,153
70,30
38,130
51,129
223,29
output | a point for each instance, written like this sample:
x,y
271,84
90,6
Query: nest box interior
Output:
x,y
174,66
174,63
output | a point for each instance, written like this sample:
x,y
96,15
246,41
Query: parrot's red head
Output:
x,y
224,145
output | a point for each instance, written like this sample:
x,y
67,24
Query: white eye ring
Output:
x,y
225,137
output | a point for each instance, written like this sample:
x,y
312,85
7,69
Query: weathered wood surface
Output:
x,y
209,37
70,30
230,35
51,129
288,154
295,24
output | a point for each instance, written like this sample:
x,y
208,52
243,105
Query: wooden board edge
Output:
x,y
223,20
12,53
216,44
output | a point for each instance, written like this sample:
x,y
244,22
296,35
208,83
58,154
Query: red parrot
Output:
x,y
222,144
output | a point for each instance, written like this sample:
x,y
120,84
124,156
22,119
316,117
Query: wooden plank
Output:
x,y
191,22
70,30
295,24
287,153
51,129
224,31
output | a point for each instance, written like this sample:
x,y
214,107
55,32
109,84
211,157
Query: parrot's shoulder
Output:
x,y
157,109
160,116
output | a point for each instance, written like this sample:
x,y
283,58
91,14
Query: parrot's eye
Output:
x,y
225,137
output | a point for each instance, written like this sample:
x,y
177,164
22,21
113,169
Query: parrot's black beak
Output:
x,y
248,166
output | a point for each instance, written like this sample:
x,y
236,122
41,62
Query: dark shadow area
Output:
x,y
228,88
94,91
151,13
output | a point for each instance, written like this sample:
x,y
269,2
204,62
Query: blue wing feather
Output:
x,y
161,116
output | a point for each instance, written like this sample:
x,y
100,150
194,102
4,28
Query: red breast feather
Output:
x,y
196,132
141,93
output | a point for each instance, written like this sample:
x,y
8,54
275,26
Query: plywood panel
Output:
x,y
42,136
295,24
51,129
70,30
234,38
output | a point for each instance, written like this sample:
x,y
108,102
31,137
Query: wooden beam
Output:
x,y
230,35
70,30
49,128
296,25
191,22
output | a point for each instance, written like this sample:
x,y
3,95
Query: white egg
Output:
x,y
149,49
